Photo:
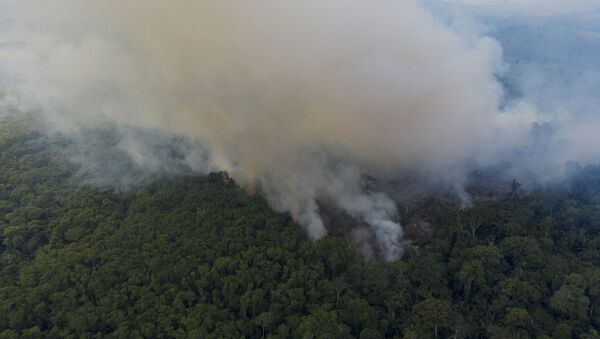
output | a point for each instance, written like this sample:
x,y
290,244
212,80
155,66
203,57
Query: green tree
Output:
x,y
430,316
322,324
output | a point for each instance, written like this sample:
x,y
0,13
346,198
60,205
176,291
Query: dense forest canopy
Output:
x,y
197,257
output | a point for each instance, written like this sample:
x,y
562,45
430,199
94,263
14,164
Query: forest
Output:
x,y
198,257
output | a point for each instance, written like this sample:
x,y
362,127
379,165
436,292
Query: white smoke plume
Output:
x,y
298,98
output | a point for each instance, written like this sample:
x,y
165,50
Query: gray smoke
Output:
x,y
300,99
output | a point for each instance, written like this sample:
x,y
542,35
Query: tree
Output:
x,y
264,320
322,324
431,315
570,298
514,186
519,322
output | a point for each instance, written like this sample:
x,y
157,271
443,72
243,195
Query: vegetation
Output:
x,y
196,257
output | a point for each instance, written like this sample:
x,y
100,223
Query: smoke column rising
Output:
x,y
299,98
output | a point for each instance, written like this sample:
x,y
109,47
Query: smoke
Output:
x,y
529,7
298,99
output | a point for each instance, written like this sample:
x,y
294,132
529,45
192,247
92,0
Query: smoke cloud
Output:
x,y
297,99
530,7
